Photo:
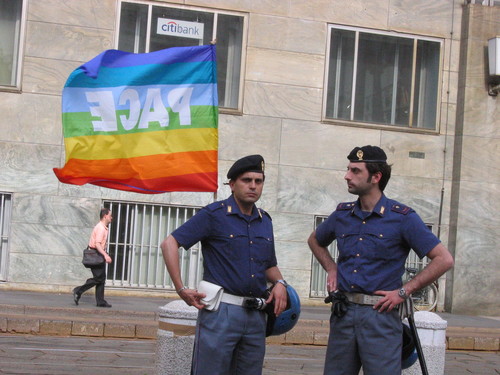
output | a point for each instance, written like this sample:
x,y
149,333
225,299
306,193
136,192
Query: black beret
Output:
x,y
251,163
367,154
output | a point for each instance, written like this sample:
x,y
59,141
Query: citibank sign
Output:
x,y
183,29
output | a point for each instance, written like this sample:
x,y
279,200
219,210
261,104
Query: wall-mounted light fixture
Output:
x,y
494,66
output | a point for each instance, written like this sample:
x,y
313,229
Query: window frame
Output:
x,y
215,12
356,123
20,52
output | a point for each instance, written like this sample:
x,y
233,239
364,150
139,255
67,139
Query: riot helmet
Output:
x,y
277,325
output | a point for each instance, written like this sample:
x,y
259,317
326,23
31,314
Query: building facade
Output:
x,y
299,82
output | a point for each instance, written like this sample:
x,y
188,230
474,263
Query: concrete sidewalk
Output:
x,y
137,317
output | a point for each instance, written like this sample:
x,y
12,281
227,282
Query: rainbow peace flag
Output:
x,y
145,123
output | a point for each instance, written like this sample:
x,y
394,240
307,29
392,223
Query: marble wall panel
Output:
x,y
451,51
287,68
372,13
56,210
300,280
47,76
477,61
477,260
476,207
435,18
99,14
28,167
310,144
63,42
191,198
50,240
91,191
47,270
269,7
481,117
311,190
281,101
35,118
483,21
421,194
450,87
294,255
292,227
447,123
287,34
247,135
477,161
398,146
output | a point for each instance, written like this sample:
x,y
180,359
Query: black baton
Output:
x,y
418,346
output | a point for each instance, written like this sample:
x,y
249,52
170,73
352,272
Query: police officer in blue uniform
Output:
x,y
374,236
239,256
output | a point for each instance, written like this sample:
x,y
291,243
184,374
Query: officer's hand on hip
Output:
x,y
390,300
193,298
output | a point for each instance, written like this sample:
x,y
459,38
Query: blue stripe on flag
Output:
x,y
196,72
76,100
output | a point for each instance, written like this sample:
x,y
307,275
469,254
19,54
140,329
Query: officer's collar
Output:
x,y
379,209
232,208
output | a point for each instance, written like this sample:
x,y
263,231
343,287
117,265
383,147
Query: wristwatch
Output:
x,y
281,281
402,293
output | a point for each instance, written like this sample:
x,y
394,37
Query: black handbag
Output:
x,y
92,258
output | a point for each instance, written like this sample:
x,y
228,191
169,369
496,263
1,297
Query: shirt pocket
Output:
x,y
381,244
263,249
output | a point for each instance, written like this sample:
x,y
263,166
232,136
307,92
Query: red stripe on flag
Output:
x,y
193,182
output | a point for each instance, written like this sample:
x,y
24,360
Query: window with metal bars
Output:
x,y
318,274
135,235
5,218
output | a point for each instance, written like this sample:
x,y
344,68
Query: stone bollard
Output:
x,y
174,347
431,330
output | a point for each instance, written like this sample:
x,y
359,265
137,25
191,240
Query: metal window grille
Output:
x,y
5,218
134,242
318,274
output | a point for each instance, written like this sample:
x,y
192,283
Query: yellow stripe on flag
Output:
x,y
102,147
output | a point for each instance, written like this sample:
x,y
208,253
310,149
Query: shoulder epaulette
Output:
x,y
346,206
262,212
215,206
401,209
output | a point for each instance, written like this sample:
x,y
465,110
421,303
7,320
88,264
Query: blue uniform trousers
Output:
x,y
364,337
229,341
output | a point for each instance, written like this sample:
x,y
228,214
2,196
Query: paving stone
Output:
x,y
146,331
300,336
321,338
123,330
87,329
55,327
3,324
15,325
486,343
463,343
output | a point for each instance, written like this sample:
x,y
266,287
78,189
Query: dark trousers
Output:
x,y
364,337
99,279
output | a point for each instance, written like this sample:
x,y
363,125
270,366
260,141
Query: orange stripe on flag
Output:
x,y
142,168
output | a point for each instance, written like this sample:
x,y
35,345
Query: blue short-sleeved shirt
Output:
x,y
373,246
237,249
